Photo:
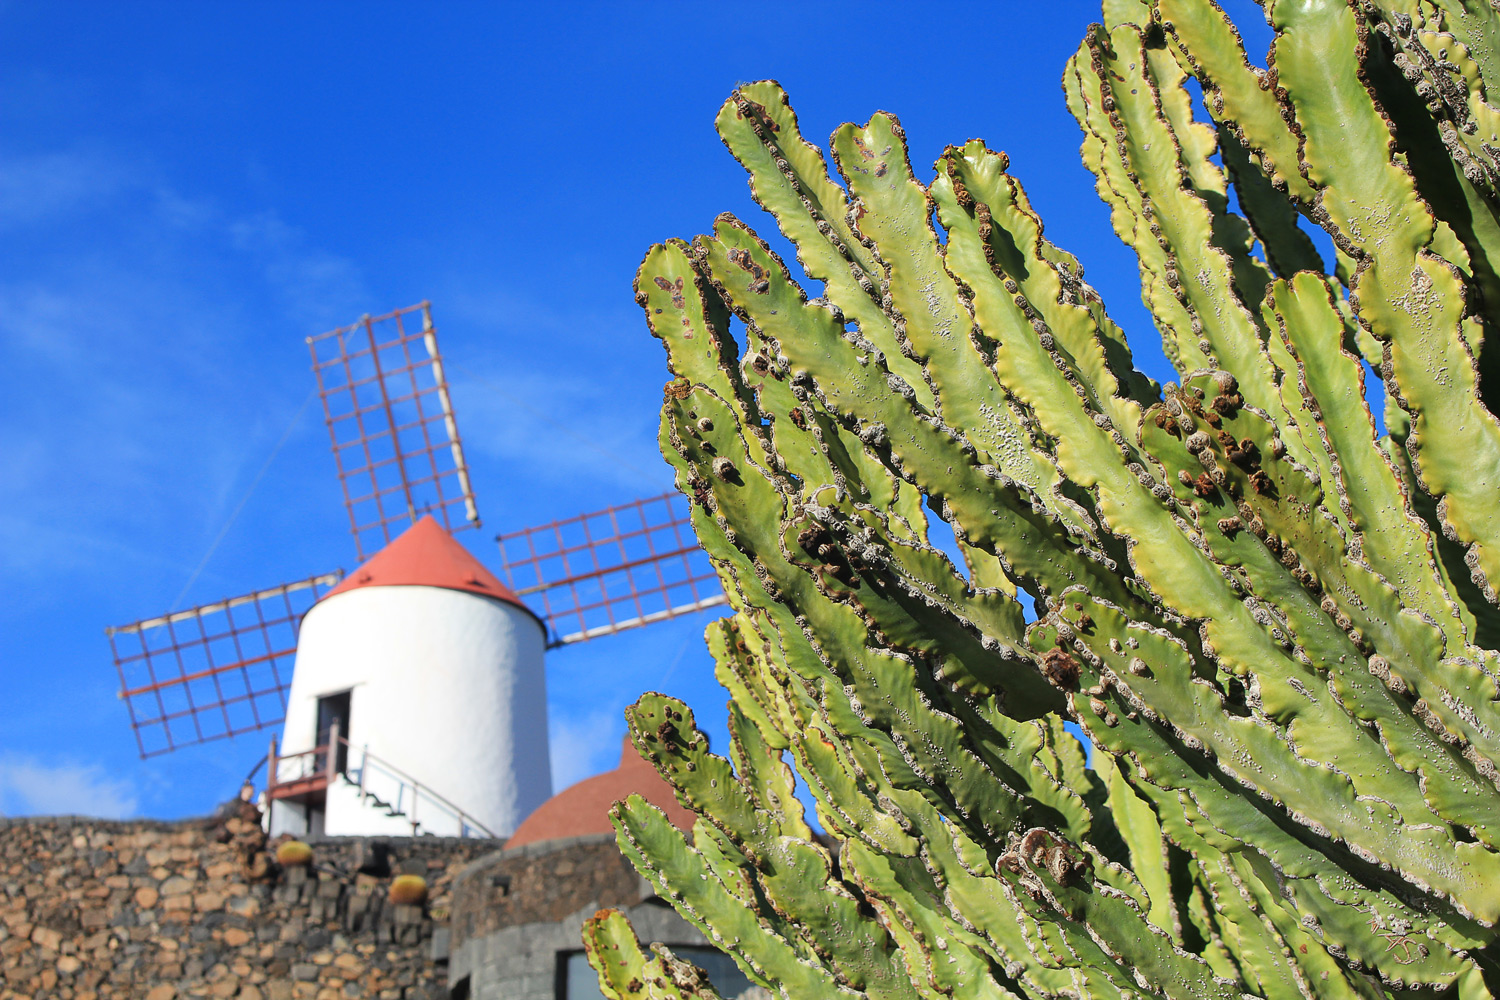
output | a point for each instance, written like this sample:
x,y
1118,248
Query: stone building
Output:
x,y
517,913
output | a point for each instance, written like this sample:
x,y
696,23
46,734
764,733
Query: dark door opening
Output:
x,y
334,708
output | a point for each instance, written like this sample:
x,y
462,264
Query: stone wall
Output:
x,y
94,909
517,914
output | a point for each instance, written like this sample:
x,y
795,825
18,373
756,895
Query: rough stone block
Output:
x,y
441,940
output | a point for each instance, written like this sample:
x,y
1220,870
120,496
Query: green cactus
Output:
x,y
1276,625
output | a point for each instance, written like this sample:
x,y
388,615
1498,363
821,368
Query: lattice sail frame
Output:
x,y
214,671
390,421
618,568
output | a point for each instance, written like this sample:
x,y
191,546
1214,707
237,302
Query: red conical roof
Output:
x,y
425,555
584,808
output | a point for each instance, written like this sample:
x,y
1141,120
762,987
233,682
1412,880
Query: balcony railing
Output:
x,y
307,775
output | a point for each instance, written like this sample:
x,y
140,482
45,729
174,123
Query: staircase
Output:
x,y
370,798
310,776
384,787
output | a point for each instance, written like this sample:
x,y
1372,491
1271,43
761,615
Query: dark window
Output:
x,y
578,981
334,708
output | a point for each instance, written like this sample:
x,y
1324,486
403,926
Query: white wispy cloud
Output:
x,y
29,787
40,187
315,287
116,343
565,427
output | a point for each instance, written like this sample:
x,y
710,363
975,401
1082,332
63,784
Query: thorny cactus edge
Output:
x,y
1277,626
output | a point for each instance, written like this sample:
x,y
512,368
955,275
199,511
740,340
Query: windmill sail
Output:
x,y
390,419
214,671
223,669
618,568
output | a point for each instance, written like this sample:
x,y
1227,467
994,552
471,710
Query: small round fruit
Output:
x,y
292,853
408,890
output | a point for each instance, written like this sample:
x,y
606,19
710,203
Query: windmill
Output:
x,y
232,666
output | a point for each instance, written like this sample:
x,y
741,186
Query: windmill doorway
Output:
x,y
333,725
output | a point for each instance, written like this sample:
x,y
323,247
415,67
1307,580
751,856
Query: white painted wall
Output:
x,y
356,816
446,686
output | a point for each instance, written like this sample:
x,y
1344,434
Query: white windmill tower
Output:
x,y
411,694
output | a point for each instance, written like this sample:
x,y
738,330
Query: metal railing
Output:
x,y
398,792
409,793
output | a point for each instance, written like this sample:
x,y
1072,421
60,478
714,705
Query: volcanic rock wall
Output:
x,y
93,909
517,916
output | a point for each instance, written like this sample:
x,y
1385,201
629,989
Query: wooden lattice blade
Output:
x,y
390,420
215,671
618,568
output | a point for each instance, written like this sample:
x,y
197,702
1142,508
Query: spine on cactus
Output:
x,y
1272,614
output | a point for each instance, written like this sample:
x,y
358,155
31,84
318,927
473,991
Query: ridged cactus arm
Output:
x,y
1206,266
833,748
1242,99
1173,571
1276,954
687,315
1208,278
972,190
1168,770
1257,610
837,770
1392,538
1412,300
780,629
1302,951
987,509
944,957
976,897
1075,915
916,900
819,453
794,875
1421,97
771,782
1128,214
952,767
1266,365
1322,717
1353,599
1362,803
680,872
1016,739
1203,171
1272,216
1238,94
1476,27
1031,953
1141,832
927,591
789,178
924,303
1448,51
747,676
913,598
625,971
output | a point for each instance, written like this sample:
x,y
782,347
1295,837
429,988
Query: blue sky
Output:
x,y
189,190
